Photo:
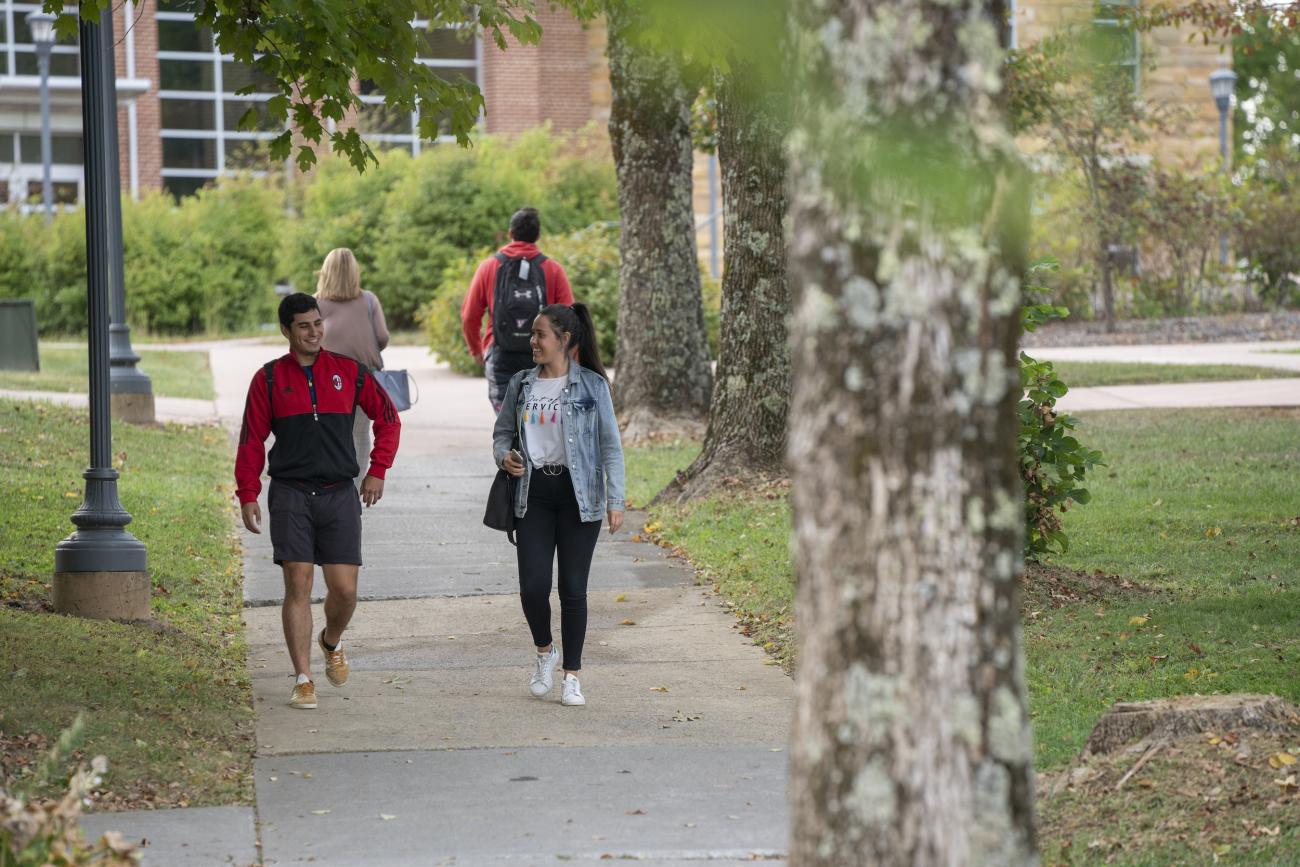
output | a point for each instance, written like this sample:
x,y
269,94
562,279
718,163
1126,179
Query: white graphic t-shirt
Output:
x,y
543,433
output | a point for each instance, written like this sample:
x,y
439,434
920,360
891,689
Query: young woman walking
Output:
x,y
570,471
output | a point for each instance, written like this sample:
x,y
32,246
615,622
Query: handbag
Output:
x,y
500,512
397,383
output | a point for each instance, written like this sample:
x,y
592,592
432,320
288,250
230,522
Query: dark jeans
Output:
x,y
498,367
552,525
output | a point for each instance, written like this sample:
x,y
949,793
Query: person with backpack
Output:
x,y
512,286
569,467
308,398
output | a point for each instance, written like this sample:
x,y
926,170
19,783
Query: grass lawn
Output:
x,y
174,374
1198,511
168,703
1087,374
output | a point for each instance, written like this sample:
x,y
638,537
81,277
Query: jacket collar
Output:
x,y
575,374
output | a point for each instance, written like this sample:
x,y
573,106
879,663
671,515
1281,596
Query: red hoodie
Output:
x,y
482,288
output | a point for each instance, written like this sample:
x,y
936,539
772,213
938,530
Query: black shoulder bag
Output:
x,y
500,513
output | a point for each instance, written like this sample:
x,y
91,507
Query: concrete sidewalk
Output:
x,y
1187,395
1280,354
678,756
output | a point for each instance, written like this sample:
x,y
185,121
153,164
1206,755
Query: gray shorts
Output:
x,y
315,525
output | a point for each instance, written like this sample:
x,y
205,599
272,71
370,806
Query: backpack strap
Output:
x,y
268,371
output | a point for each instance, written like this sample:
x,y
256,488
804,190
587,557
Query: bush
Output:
x,y
1267,231
1053,463
206,264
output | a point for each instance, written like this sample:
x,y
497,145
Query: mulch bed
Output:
x,y
1277,325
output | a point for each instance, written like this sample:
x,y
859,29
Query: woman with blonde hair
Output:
x,y
354,325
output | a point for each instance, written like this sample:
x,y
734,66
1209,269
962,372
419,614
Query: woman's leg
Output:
x,y
535,536
576,543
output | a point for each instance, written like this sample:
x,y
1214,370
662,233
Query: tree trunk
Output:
x,y
663,379
1107,286
751,398
912,743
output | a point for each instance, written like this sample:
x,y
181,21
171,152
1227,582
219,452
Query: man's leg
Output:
x,y
296,613
340,599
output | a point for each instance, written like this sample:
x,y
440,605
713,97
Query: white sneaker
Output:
x,y
572,695
540,684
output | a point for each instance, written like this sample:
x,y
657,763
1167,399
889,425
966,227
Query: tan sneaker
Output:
x,y
304,696
336,664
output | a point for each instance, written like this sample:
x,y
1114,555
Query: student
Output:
x,y
570,471
512,286
308,399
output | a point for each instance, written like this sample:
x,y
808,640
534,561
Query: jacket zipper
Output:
x,y
311,388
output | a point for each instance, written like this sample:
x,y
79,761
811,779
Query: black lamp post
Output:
x,y
1222,84
100,570
41,25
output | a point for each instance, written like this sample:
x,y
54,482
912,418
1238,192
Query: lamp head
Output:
x,y
41,24
1222,83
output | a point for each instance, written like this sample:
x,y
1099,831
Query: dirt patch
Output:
x,y
1047,586
1202,799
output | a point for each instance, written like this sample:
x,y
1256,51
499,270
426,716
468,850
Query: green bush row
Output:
x,y
209,263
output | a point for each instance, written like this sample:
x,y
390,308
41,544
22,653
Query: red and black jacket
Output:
x,y
312,423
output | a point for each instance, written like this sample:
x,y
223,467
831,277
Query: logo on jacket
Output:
x,y
338,382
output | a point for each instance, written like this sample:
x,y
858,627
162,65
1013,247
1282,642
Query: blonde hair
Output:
x,y
339,279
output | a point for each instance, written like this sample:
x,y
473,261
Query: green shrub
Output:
x,y
1267,231
1053,463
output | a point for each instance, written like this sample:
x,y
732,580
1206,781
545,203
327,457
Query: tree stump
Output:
x,y
1137,723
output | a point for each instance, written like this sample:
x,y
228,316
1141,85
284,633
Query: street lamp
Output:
x,y
41,24
1222,84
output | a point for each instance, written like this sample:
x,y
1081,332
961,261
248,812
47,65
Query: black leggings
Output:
x,y
552,524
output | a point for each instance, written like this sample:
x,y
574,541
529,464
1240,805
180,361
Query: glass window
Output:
x,y
64,149
189,153
1116,42
4,192
445,44
367,87
179,187
373,119
65,192
189,114
186,74
6,149
235,75
179,5
233,110
60,64
183,36
247,155
23,33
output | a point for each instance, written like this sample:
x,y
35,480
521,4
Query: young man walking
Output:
x,y
512,286
308,399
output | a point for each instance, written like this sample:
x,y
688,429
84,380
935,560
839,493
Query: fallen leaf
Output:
x,y
1139,620
622,597
320,812
1281,760
1161,658
1288,784
627,623
387,817
1194,648
660,688
635,811
1211,532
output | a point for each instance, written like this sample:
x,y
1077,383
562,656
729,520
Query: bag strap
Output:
x,y
370,311
362,370
268,371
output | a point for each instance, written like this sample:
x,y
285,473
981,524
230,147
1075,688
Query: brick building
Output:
x,y
178,109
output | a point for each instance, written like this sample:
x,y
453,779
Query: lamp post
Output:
x,y
101,570
1222,84
41,25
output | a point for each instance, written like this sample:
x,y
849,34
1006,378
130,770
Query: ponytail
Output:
x,y
588,350
582,333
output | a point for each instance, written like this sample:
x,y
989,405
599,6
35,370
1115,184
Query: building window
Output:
x,y
20,53
1118,43
201,110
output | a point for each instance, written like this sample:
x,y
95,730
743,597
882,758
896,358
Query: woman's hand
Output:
x,y
513,463
615,520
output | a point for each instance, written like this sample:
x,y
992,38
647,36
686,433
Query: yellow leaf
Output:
x,y
1211,532
652,527
1138,620
1281,760
622,597
1215,739
660,688
627,623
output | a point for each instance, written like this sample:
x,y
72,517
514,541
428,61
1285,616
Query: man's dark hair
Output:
x,y
294,304
525,225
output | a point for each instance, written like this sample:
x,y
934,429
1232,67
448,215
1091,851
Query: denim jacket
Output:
x,y
592,446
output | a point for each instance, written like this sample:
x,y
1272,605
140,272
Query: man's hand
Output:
x,y
478,358
615,520
372,490
252,513
512,463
